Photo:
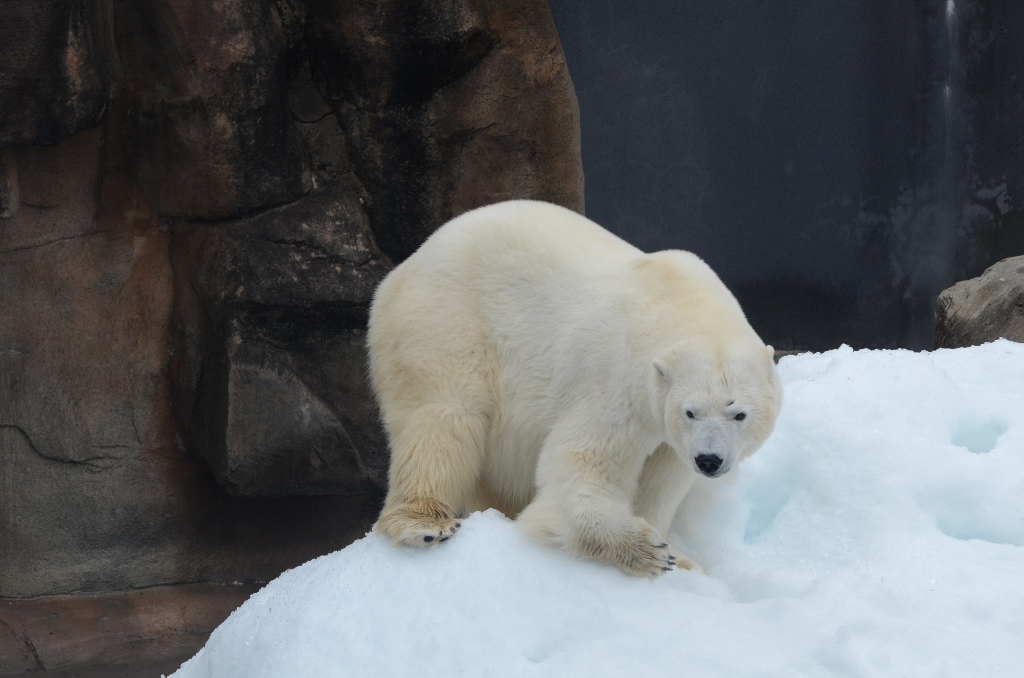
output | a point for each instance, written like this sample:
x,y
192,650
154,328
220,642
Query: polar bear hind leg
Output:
x,y
436,461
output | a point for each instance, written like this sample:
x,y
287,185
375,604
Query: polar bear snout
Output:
x,y
713,444
708,464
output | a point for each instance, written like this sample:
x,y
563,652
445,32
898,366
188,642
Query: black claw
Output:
x,y
458,525
661,546
671,557
667,569
443,539
428,538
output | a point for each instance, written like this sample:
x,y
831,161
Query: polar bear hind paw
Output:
x,y
409,526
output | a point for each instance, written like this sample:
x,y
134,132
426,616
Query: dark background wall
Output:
x,y
838,162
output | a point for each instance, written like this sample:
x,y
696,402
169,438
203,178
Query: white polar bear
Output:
x,y
526,359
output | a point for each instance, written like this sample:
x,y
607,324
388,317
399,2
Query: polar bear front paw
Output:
x,y
684,563
419,524
639,553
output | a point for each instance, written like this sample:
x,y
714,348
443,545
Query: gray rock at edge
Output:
x,y
983,309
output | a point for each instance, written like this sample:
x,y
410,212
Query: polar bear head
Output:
x,y
718,403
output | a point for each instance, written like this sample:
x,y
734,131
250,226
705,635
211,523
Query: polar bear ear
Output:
x,y
662,369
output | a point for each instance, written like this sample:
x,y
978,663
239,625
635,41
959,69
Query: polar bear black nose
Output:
x,y
708,464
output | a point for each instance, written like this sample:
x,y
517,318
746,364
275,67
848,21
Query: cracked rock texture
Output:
x,y
197,200
983,309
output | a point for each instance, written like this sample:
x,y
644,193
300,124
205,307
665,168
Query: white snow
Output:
x,y
879,532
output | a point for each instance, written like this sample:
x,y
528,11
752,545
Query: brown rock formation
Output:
x,y
448,106
208,84
983,309
134,633
191,200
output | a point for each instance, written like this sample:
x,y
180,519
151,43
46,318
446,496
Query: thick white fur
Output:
x,y
526,359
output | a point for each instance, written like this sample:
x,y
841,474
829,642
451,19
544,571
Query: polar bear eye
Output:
x,y
689,413
740,416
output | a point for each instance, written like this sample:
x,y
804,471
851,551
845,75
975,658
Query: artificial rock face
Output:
x,y
216,138
268,355
56,69
983,309
197,201
435,103
410,116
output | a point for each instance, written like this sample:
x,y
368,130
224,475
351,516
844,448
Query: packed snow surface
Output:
x,y
879,532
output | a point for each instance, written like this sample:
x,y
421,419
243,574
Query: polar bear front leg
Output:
x,y
663,485
583,505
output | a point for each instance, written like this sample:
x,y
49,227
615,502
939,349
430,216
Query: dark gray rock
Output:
x,y
983,309
268,342
56,68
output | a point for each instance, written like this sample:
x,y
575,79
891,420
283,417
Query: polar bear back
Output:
x,y
531,265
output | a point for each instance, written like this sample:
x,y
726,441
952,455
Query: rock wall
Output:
x,y
196,202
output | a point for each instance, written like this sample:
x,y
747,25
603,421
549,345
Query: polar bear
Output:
x,y
528,360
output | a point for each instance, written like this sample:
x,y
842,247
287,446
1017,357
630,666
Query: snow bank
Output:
x,y
879,532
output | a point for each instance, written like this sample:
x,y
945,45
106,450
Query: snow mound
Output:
x,y
879,532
